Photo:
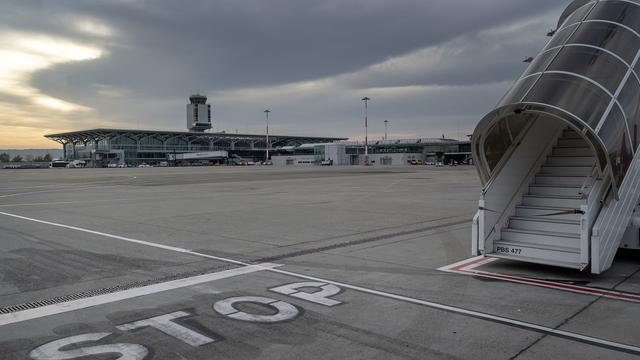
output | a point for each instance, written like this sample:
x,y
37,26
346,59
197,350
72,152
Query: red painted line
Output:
x,y
463,268
550,284
473,261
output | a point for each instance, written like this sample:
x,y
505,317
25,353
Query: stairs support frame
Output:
x,y
613,220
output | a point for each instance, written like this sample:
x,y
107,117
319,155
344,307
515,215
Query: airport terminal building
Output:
x,y
111,147
100,147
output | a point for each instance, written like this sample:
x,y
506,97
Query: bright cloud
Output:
x,y
92,27
26,113
24,54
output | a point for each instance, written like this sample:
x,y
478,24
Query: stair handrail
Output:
x,y
515,142
588,182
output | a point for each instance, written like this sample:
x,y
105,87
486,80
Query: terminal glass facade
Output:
x,y
142,146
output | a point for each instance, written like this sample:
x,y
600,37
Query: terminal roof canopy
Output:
x,y
85,136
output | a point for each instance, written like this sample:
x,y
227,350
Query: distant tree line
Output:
x,y
4,157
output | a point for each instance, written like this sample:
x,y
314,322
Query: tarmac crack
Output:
x,y
573,316
356,242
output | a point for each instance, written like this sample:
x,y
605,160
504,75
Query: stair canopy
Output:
x,y
587,78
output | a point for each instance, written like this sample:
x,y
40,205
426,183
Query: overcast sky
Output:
x,y
429,66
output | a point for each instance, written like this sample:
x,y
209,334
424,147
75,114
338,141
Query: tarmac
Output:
x,y
284,263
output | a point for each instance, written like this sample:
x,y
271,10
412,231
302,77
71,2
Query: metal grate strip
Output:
x,y
109,290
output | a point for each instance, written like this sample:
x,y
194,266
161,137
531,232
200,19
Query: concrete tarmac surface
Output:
x,y
283,263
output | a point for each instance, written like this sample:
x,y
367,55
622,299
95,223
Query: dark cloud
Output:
x,y
160,51
221,44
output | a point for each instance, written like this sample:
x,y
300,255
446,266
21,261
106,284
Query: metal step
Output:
x,y
571,160
564,264
573,202
517,249
551,190
546,212
572,151
560,180
545,224
566,170
571,142
538,238
570,134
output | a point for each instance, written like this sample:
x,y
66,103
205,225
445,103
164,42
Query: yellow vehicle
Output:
x,y
416,162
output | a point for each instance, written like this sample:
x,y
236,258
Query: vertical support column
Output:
x,y
584,236
482,236
94,153
475,235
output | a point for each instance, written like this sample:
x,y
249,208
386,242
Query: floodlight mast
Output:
x,y
366,130
266,112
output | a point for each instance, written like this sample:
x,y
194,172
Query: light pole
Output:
x,y
366,130
385,129
266,112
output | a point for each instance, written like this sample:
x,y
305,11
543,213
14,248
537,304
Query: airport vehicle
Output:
x,y
25,166
235,159
558,158
75,164
59,164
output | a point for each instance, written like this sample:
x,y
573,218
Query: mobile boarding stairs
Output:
x,y
548,204
559,157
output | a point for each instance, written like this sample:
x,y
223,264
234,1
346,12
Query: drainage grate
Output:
x,y
109,290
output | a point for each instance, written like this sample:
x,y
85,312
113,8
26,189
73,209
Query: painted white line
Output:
x,y
50,190
93,201
84,303
71,187
452,309
481,263
66,185
123,238
461,263
480,315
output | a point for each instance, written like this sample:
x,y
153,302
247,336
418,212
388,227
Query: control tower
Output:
x,y
198,113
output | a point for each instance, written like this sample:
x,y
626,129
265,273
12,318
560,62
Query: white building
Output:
x,y
383,152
